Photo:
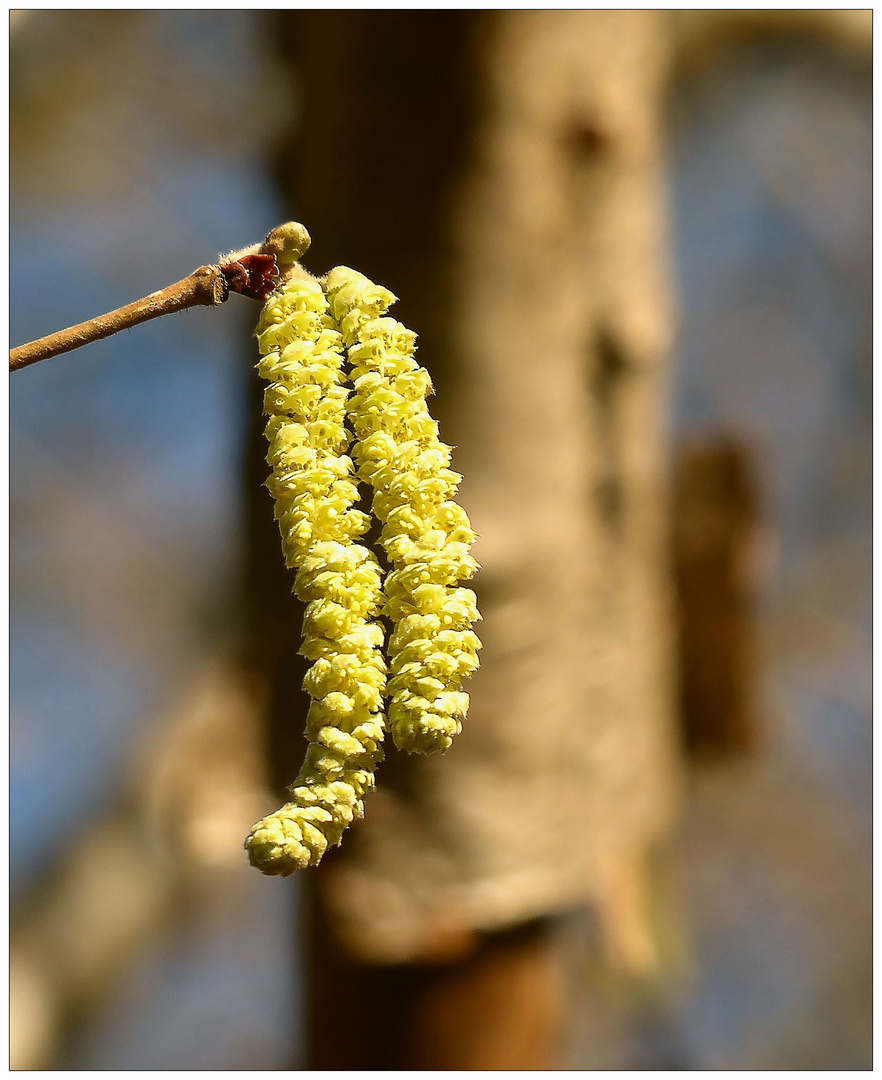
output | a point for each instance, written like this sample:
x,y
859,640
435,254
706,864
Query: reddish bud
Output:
x,y
252,275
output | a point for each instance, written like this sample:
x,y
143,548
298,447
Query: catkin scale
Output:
x,y
340,581
425,533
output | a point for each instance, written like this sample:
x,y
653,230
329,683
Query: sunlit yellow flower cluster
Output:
x,y
425,534
341,581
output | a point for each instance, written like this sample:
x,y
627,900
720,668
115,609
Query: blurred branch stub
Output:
x,y
715,547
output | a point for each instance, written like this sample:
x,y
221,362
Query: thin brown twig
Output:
x,y
252,272
204,286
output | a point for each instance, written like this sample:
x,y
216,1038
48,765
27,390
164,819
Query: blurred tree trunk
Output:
x,y
502,172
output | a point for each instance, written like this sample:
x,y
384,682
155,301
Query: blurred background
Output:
x,y
145,143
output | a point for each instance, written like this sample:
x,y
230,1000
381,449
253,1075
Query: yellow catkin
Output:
x,y
426,534
315,491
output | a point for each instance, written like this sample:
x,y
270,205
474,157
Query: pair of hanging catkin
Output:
x,y
302,333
